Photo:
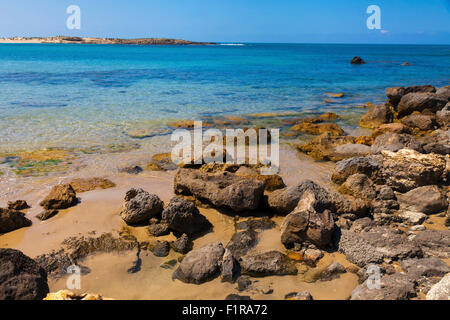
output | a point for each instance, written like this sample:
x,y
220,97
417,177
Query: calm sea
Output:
x,y
81,95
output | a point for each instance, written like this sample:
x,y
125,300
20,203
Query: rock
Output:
x,y
394,142
55,263
330,116
369,165
301,296
332,271
320,147
360,186
419,227
318,128
158,229
164,161
426,199
11,220
395,127
68,295
84,185
395,94
237,297
376,116
349,150
438,142
242,242
441,290
312,256
201,265
357,60
170,264
229,267
271,182
132,170
160,248
420,102
368,141
420,122
244,283
392,287
362,224
413,217
358,250
443,116
407,169
426,267
434,242
183,216
267,264
47,214
61,197
222,190
264,223
444,93
21,278
305,223
140,206
18,205
183,244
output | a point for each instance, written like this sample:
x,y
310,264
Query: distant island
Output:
x,y
80,40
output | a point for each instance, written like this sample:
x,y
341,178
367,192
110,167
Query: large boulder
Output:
x,y
21,278
441,290
360,186
394,142
271,182
377,115
140,206
444,93
395,94
357,60
396,286
201,265
426,199
60,197
428,102
11,220
308,222
183,216
434,242
267,264
369,165
222,189
420,122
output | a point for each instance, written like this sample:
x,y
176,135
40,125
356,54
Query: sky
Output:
x,y
279,21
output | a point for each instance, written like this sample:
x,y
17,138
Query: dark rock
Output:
x,y
302,296
21,278
132,170
222,190
426,267
11,220
18,205
244,283
61,197
242,242
370,166
420,121
360,186
183,216
183,244
395,94
358,250
420,102
229,267
237,297
426,199
55,263
159,229
377,115
160,248
357,60
443,116
47,214
394,142
201,265
434,242
256,224
386,193
392,287
267,264
140,206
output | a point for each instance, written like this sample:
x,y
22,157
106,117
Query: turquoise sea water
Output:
x,y
81,95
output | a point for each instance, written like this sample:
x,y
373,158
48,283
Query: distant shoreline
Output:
x,y
81,40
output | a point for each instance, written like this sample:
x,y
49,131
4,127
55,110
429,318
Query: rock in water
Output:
x,y
357,60
11,220
84,185
201,265
222,189
140,206
305,223
61,197
183,216
267,264
21,278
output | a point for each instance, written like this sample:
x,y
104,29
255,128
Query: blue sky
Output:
x,y
402,21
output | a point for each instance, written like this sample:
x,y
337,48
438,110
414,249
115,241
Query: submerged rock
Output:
x,y
61,197
322,147
267,264
11,220
318,128
357,60
140,206
21,278
201,265
183,216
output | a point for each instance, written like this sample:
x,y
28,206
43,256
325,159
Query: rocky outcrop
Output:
x,y
426,199
420,122
376,116
434,242
309,222
357,60
443,116
201,265
395,94
421,102
11,220
394,142
392,287
267,264
395,127
441,290
182,216
360,186
61,197
140,206
21,278
222,189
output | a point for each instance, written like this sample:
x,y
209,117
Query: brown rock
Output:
x,y
61,196
11,220
84,185
318,128
271,182
420,121
320,147
377,115
391,128
420,102
18,205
